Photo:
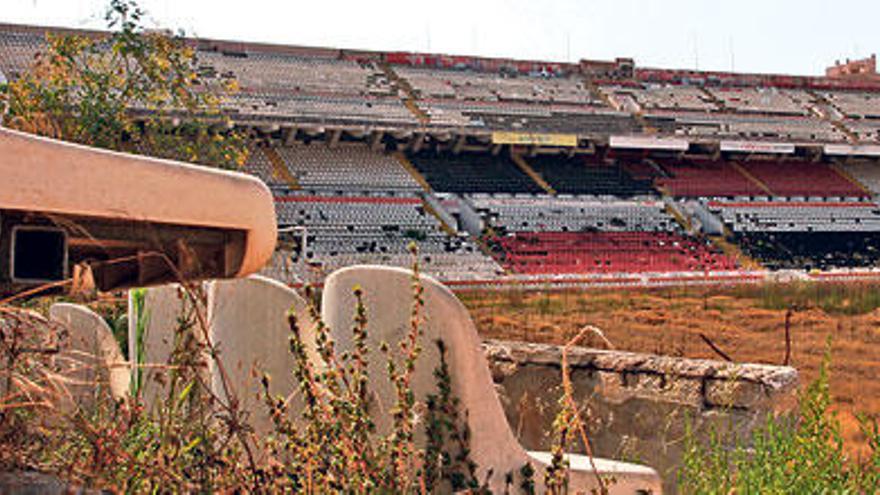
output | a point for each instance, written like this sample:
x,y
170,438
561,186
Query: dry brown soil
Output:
x,y
746,323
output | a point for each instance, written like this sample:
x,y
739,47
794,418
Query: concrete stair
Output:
x,y
413,171
852,180
532,173
279,168
733,251
410,101
748,175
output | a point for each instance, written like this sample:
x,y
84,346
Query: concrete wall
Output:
x,y
637,405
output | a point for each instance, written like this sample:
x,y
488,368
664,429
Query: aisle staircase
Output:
x,y
638,115
836,122
410,100
754,180
412,170
732,250
852,180
532,173
678,216
714,99
280,168
445,227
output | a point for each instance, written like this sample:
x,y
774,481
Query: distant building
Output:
x,y
865,68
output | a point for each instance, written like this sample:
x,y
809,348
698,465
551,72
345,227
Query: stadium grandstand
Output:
x,y
521,170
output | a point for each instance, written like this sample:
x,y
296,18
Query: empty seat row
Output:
x,y
326,232
546,214
320,109
740,126
764,100
866,173
812,250
482,86
665,97
352,167
791,178
583,175
256,71
704,178
856,104
769,216
608,252
473,173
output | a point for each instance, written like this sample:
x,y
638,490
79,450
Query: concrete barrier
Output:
x,y
248,320
637,405
388,298
92,361
168,314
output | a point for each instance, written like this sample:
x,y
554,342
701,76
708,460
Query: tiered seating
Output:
x,y
258,164
787,128
752,127
569,122
458,113
866,130
314,89
341,230
704,178
545,235
321,109
267,72
666,97
318,167
856,104
473,173
867,173
812,250
515,116
469,85
582,175
608,252
764,100
789,178
548,214
798,216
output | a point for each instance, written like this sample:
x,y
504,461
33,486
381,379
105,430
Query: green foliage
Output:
x,y
132,90
800,454
447,469
142,321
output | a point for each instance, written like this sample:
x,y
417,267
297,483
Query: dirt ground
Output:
x,y
747,323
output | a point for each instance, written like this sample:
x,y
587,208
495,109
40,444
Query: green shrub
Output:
x,y
800,453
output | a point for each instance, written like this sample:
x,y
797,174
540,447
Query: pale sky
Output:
x,y
787,36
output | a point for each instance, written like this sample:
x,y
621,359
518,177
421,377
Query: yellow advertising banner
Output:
x,y
530,138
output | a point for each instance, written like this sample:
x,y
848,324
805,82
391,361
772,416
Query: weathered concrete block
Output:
x,y
637,405
388,297
92,361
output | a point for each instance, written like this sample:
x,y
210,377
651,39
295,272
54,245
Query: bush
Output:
x,y
802,453
133,90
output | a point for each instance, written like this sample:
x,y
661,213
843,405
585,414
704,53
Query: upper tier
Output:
x,y
322,87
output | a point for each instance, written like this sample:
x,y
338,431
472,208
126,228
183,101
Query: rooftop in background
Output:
x,y
862,69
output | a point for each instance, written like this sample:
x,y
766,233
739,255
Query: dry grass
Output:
x,y
747,324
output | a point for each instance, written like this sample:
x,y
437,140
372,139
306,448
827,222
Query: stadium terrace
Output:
x,y
536,172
